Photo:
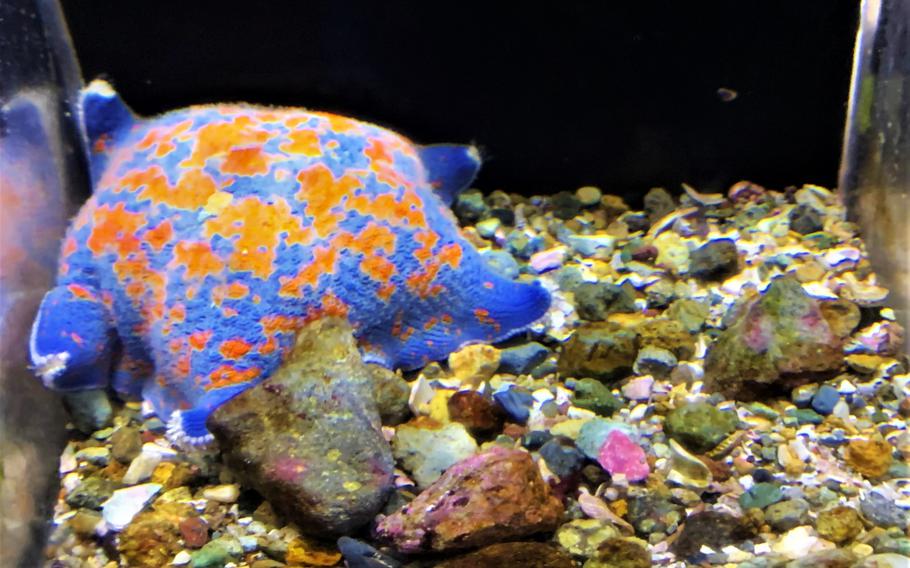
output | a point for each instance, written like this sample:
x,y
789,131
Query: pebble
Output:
x,y
90,410
619,455
516,403
227,493
524,554
593,395
583,537
95,456
426,448
883,511
699,426
715,529
217,553
716,260
488,227
588,195
475,411
126,503
839,524
786,515
520,359
502,263
593,434
562,457
654,361
474,364
126,444
825,399
872,458
91,493
602,350
760,496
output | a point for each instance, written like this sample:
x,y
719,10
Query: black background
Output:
x,y
557,94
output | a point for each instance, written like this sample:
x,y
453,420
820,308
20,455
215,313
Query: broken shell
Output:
x,y
686,469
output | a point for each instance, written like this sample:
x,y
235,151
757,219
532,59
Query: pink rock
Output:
x,y
619,454
548,259
638,388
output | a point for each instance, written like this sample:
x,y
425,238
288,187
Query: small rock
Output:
x,y
672,252
516,403
843,316
125,503
824,400
426,448
565,205
864,364
535,439
583,537
588,195
887,560
805,219
602,350
776,339
710,528
654,361
195,532
836,558
594,301
358,554
490,497
619,455
795,543
699,426
592,395
547,260
307,552
883,511
391,392
99,456
760,495
715,260
658,203
502,263
613,205
469,207
487,228
871,458
562,457
807,416
653,512
524,554
84,523
91,493
691,314
474,364
520,359
222,493
523,245
126,444
90,409
217,553
666,334
593,434
476,412
839,524
786,515
592,246
620,553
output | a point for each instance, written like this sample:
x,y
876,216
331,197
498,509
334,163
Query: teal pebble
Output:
x,y
216,553
808,416
594,433
760,496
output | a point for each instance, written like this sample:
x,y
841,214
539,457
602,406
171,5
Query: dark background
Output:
x,y
558,95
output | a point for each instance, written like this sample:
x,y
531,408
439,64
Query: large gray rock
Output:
x,y
308,438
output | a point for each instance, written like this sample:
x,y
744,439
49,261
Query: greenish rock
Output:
x,y
588,195
565,205
886,543
805,220
691,314
487,227
90,410
594,301
760,495
91,493
593,395
700,426
807,416
653,512
217,553
660,294
99,456
666,334
582,537
843,316
715,260
775,341
620,553
821,240
601,350
785,515
657,203
763,410
308,437
470,207
522,245
426,448
712,528
886,560
839,524
391,392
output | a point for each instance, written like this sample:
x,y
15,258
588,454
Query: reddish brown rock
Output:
x,y
195,532
487,498
476,412
524,554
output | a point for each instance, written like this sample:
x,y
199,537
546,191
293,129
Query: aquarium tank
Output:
x,y
385,285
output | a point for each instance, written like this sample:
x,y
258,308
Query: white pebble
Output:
x,y
182,557
222,493
141,468
125,503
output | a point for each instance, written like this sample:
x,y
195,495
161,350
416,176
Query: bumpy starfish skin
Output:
x,y
215,232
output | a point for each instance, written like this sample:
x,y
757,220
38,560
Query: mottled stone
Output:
x,y
779,339
620,553
562,457
715,260
391,392
478,413
583,537
654,361
788,514
474,364
490,497
594,301
713,529
126,444
883,511
152,538
195,532
691,314
871,458
217,553
507,554
516,402
805,219
592,395
653,512
666,334
839,524
307,438
602,350
843,316
760,495
426,448
90,410
91,493
657,203
699,426
521,359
